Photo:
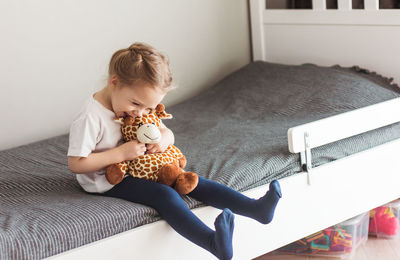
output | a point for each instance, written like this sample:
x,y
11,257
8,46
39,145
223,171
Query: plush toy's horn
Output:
x,y
119,120
160,112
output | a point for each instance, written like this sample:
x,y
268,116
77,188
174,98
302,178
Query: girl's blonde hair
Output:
x,y
141,63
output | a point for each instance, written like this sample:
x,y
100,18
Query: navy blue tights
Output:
x,y
171,207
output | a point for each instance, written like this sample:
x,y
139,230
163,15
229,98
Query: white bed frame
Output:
x,y
324,195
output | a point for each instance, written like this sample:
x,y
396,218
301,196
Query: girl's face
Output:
x,y
136,100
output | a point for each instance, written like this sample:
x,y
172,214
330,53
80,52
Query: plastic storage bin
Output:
x,y
340,240
385,220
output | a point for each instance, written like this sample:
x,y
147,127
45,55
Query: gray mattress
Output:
x,y
234,133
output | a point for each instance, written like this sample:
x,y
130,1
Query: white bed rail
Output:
x,y
344,125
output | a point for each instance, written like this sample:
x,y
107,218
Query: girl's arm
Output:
x,y
97,161
94,161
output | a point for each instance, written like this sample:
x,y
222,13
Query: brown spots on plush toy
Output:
x,y
147,166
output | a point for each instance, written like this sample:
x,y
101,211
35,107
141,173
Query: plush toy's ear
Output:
x,y
160,112
129,120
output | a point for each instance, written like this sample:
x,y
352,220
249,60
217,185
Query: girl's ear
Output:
x,y
113,81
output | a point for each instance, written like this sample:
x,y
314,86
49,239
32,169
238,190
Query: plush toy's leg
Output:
x,y
182,162
168,173
186,182
173,175
116,172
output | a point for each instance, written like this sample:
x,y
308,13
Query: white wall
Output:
x,y
53,54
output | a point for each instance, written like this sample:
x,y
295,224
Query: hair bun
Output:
x,y
139,57
135,54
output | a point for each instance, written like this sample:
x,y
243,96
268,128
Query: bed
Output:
x,y
328,133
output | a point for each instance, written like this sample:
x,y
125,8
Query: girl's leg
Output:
x,y
174,210
220,196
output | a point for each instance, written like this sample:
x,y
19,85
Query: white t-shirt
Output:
x,y
93,130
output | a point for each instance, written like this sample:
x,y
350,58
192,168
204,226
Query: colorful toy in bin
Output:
x,y
328,240
338,240
384,220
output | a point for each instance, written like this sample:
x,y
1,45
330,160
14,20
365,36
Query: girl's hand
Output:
x,y
156,148
167,138
131,150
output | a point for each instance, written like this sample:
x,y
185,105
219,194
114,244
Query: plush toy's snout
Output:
x,y
148,134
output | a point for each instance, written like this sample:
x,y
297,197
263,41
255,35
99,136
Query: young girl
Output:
x,y
139,78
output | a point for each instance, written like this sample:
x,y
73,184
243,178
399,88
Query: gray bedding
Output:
x,y
234,133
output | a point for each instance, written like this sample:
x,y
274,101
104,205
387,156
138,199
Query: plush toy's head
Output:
x,y
145,129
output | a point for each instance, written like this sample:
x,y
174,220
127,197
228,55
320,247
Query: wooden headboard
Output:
x,y
366,37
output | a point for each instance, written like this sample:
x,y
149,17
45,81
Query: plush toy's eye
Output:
x,y
154,123
140,124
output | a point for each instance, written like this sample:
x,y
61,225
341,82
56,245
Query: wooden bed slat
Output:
x,y
319,4
257,30
371,4
344,5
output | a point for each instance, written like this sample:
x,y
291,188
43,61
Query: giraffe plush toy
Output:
x,y
166,167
